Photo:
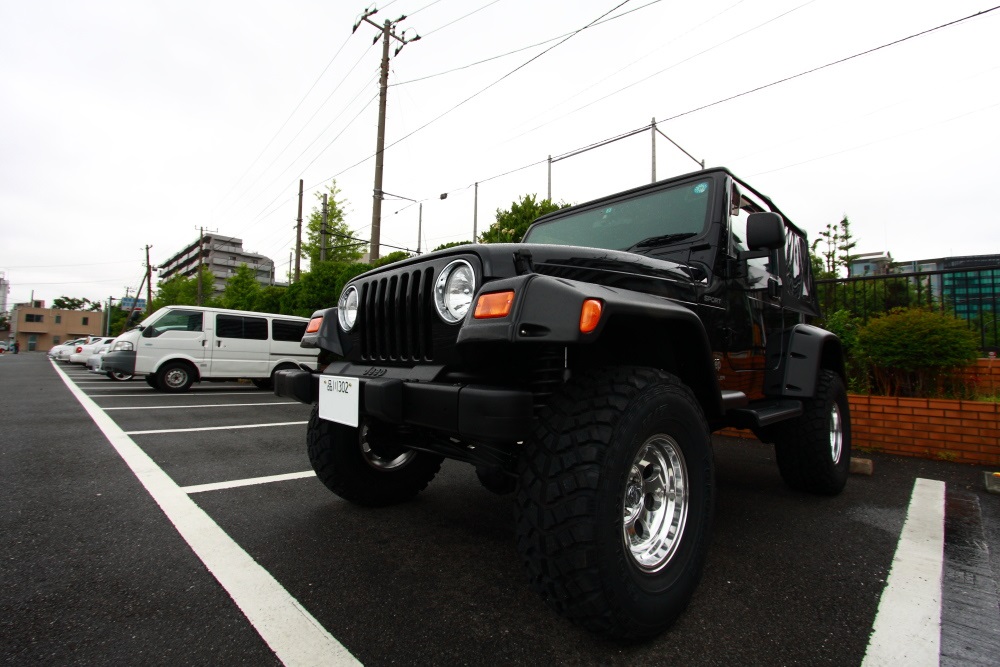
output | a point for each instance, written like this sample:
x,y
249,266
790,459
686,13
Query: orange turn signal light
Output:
x,y
497,304
314,325
590,315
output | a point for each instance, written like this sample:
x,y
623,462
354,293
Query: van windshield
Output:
x,y
174,320
654,218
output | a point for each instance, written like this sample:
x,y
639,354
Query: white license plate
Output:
x,y
338,399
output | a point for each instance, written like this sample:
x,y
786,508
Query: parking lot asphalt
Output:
x,y
101,564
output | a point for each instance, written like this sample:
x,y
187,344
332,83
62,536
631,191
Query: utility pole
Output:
x,y
420,225
322,234
387,30
149,280
298,237
107,321
201,241
550,179
475,212
653,131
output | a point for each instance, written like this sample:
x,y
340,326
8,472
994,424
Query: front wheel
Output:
x,y
120,376
175,377
615,501
354,464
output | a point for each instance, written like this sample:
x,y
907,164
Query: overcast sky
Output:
x,y
126,124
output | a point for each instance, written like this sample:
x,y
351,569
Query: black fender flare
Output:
x,y
547,309
806,350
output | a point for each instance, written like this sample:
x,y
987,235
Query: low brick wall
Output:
x,y
962,431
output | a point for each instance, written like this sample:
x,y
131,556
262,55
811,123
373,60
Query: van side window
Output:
x,y
288,330
237,326
175,320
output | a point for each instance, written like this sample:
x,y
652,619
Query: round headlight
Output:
x,y
347,308
454,290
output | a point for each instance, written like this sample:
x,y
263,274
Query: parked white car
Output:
x,y
62,352
83,351
95,363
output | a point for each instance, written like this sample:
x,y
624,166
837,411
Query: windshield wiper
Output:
x,y
662,239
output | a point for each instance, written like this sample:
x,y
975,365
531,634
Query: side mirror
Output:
x,y
765,231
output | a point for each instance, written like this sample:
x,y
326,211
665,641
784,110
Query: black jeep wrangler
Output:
x,y
584,370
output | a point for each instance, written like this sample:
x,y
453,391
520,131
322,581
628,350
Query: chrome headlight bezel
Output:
x,y
122,346
347,308
453,304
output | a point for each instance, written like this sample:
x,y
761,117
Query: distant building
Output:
x,y
4,291
971,284
223,255
870,264
37,328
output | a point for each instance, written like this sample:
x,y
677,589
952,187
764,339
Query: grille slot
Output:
x,y
396,317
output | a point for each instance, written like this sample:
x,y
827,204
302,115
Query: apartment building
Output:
x,y
223,255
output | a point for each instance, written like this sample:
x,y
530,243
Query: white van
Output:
x,y
179,345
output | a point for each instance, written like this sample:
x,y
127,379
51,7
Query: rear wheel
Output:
x,y
615,501
814,450
352,463
175,377
151,381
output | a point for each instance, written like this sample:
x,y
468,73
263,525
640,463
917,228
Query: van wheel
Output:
x,y
174,377
151,381
263,383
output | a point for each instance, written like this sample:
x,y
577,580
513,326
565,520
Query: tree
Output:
x,y
910,351
340,244
182,291
511,224
839,242
445,246
242,290
390,258
72,303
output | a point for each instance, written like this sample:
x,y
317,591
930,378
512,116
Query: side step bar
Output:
x,y
764,413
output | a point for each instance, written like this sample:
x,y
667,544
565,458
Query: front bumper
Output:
x,y
122,361
472,412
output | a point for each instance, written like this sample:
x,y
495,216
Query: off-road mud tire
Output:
x,y
572,500
337,455
804,447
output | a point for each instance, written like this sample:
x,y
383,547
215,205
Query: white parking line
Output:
x,y
188,407
198,488
292,633
156,394
907,627
212,428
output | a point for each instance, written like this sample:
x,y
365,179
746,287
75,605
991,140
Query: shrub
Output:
x,y
912,351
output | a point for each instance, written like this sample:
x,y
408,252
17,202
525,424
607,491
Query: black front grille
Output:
x,y
396,313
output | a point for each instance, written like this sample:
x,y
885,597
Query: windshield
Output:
x,y
654,218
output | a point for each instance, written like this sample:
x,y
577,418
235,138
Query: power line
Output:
x,y
524,48
475,11
665,69
480,92
831,64
297,106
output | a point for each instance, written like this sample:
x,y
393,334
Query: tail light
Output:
x,y
79,349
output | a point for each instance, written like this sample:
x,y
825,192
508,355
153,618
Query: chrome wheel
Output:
x,y
381,461
655,505
836,433
120,376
